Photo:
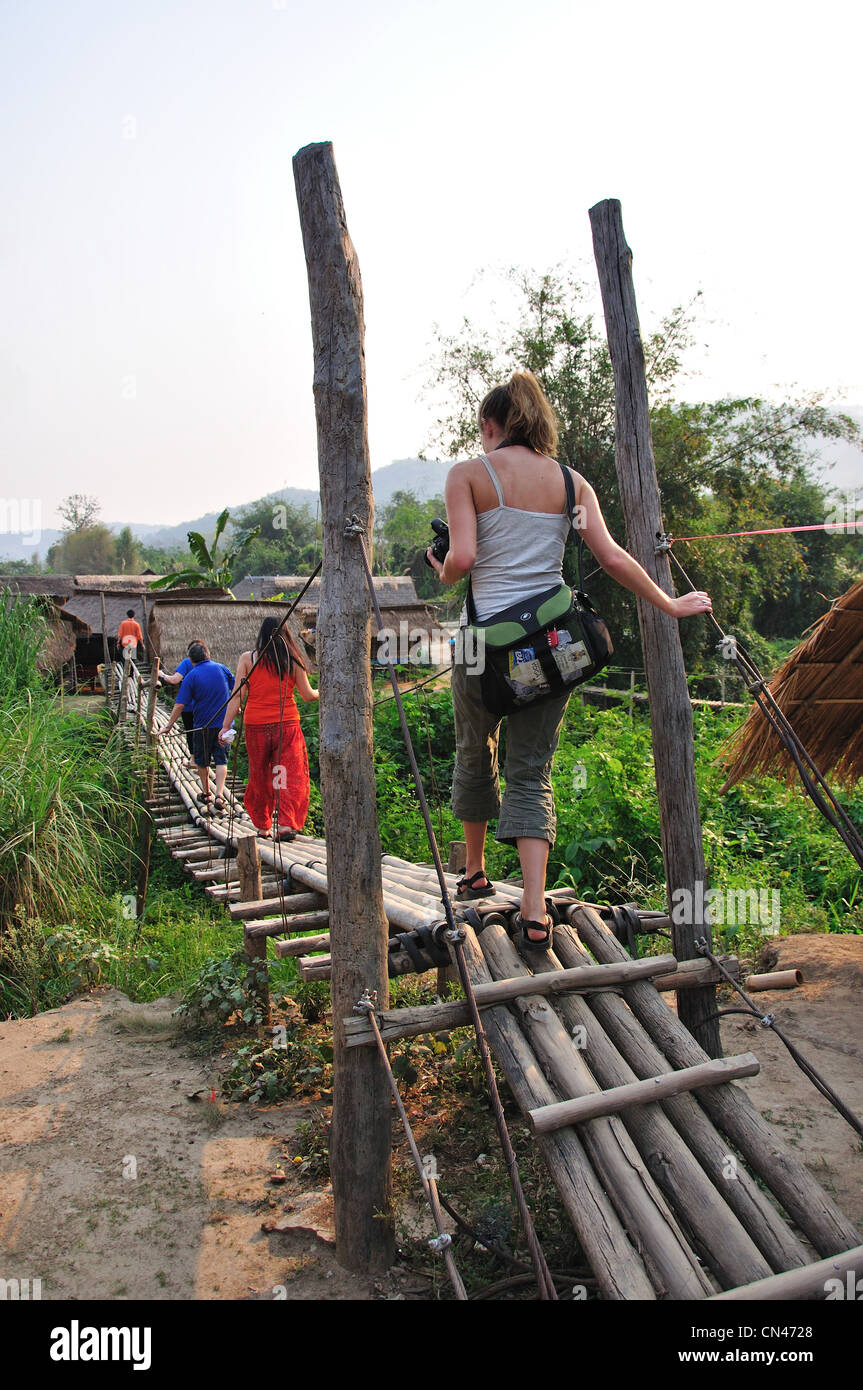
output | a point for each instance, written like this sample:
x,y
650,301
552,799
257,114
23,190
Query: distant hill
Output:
x,y
424,478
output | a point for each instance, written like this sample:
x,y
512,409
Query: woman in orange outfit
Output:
x,y
277,793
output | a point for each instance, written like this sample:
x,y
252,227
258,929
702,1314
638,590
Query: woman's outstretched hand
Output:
x,y
692,604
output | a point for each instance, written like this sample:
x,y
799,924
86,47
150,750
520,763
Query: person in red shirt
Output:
x,y
129,633
277,792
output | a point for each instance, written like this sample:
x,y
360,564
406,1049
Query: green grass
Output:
x,y
68,868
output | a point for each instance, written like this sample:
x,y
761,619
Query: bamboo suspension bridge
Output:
x,y
675,1185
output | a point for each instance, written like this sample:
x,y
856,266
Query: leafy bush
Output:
x,y
225,992
266,1072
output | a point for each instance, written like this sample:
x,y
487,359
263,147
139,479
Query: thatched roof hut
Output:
x,y
56,586
228,626
819,688
412,634
59,647
122,583
393,590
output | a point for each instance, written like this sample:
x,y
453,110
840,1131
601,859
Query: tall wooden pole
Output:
x,y
670,709
361,1133
108,666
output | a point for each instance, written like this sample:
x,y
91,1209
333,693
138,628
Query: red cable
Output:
x,y
774,530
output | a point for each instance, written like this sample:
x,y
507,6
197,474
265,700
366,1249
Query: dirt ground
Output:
x,y
121,1178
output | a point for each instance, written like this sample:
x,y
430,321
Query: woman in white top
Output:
x,y
508,527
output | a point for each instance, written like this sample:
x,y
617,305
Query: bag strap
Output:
x,y
574,529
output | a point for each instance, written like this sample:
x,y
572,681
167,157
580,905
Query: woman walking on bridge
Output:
x,y
277,792
509,523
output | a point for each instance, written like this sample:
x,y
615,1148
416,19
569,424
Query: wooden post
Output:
x,y
670,708
631,694
151,718
249,872
108,665
124,686
145,840
361,1132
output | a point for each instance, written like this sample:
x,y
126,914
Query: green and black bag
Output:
x,y
544,645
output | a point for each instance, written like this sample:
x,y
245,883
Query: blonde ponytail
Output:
x,y
523,412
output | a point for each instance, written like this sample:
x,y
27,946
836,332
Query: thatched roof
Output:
x,y
393,590
125,583
819,688
57,586
411,628
64,629
88,607
227,627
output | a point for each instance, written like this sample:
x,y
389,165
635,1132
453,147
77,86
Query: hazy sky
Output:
x,y
156,348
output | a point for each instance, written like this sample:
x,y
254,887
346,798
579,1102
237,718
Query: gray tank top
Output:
x,y
518,553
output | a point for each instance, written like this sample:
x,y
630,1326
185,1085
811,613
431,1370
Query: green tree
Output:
x,y
288,539
403,534
92,550
214,571
128,553
722,466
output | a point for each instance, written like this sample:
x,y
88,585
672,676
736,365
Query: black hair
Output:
x,y
278,653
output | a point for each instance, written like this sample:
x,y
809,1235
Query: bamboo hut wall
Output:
x,y
228,627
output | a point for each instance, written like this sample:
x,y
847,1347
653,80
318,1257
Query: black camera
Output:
x,y
440,544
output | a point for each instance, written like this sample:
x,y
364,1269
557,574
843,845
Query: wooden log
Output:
x,y
294,903
300,922
671,711
615,1260
619,1050
730,1109
716,1072
692,974
775,979
501,991
360,1136
300,944
672,1265
271,889
837,1275
249,870
713,1228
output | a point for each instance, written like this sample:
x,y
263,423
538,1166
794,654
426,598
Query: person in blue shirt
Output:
x,y
205,689
177,679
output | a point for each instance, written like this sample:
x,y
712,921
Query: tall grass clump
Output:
x,y
58,785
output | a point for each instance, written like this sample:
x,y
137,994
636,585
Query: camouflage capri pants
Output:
x,y
532,736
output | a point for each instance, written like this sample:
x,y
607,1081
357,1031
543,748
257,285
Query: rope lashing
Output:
x,y
626,925
442,1242
769,1021
455,936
